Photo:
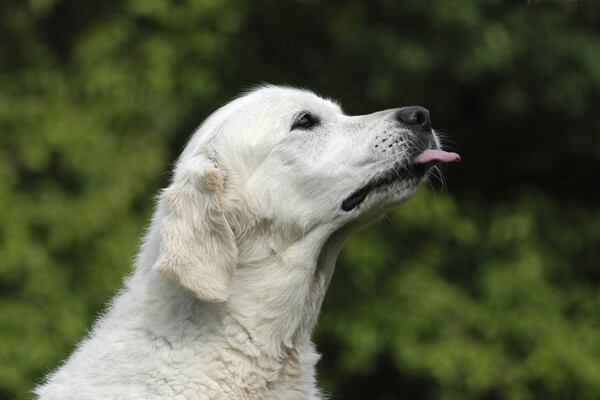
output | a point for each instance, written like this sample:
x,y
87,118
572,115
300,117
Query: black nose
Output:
x,y
415,116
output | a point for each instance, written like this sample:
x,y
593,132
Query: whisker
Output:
x,y
445,141
437,173
387,217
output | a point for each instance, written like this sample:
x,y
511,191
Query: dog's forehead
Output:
x,y
261,108
290,100
310,100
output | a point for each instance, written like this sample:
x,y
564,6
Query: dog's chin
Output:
x,y
388,189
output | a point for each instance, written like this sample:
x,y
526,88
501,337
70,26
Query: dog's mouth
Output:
x,y
399,172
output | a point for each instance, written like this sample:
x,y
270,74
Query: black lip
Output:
x,y
398,173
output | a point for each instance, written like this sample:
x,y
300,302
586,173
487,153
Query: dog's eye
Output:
x,y
305,121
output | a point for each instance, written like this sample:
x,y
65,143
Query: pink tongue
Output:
x,y
436,155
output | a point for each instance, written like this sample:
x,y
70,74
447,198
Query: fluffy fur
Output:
x,y
230,278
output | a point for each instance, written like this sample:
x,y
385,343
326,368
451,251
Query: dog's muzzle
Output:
x,y
417,120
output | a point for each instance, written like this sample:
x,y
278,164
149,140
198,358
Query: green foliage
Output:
x,y
483,306
491,293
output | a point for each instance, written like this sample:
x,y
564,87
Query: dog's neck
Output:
x,y
278,298
269,316
277,293
267,321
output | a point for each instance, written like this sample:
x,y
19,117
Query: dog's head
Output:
x,y
289,162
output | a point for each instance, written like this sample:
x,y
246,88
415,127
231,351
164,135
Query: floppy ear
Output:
x,y
198,249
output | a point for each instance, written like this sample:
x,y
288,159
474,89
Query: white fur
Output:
x,y
230,278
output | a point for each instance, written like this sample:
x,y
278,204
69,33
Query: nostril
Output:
x,y
415,115
420,117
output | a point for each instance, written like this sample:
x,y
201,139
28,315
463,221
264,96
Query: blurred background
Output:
x,y
487,287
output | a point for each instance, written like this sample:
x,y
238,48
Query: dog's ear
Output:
x,y
198,249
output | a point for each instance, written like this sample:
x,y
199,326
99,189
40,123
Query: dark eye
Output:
x,y
305,121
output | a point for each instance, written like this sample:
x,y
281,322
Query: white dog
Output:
x,y
229,281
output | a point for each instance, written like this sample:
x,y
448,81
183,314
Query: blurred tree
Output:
x,y
489,294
